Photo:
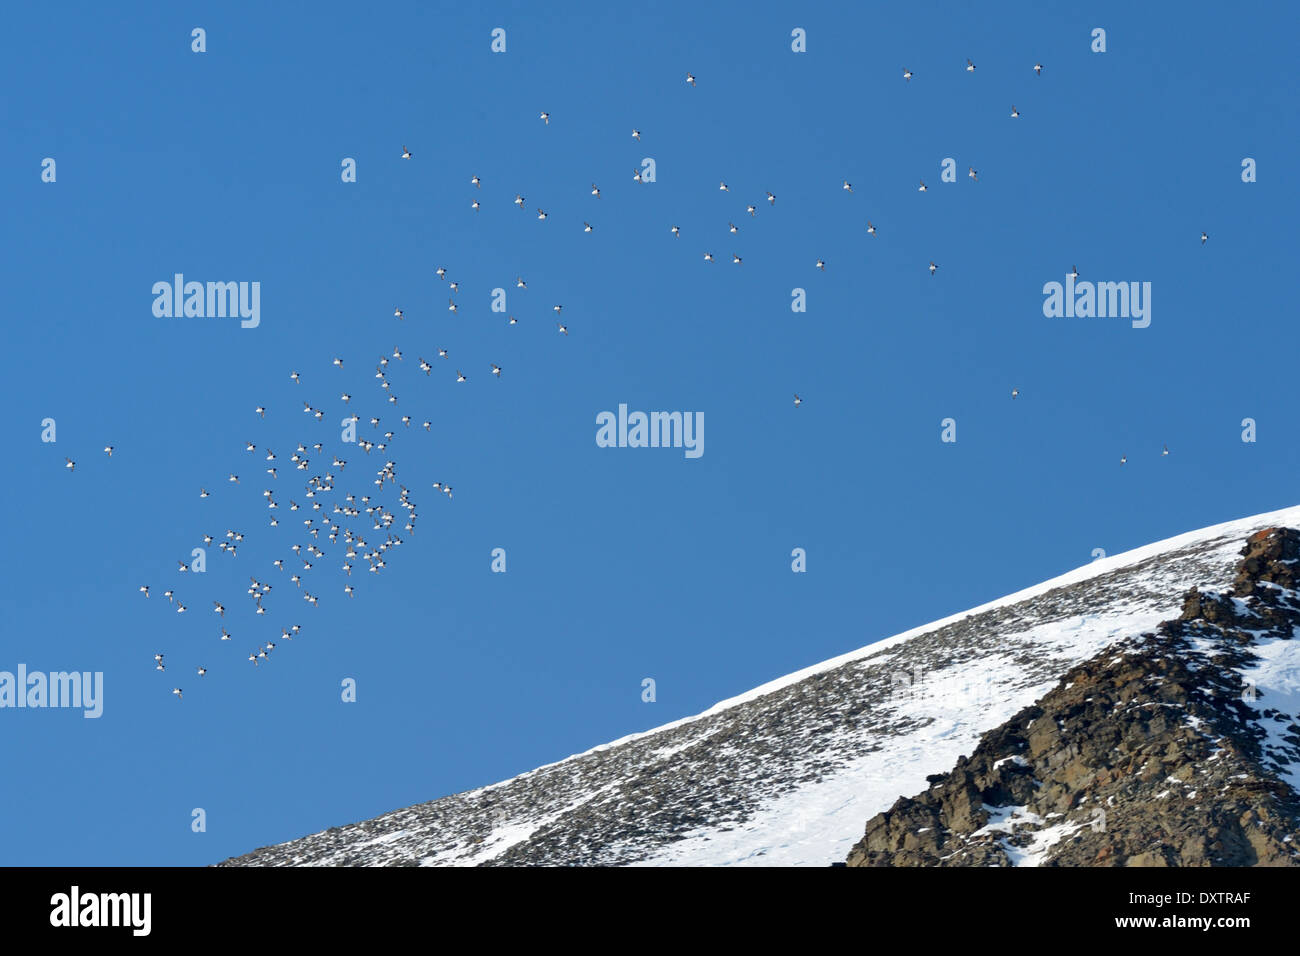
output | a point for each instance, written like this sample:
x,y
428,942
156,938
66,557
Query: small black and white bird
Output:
x,y
1204,236
406,153
690,78
1015,113
636,134
871,230
1038,69
921,188
821,265
545,118
476,181
797,400
907,74
970,67
933,267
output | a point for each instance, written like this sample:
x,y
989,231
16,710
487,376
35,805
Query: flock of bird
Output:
x,y
337,521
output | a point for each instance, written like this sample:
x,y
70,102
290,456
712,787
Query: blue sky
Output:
x,y
622,563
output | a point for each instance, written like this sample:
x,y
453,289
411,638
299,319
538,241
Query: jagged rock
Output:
x,y
1145,755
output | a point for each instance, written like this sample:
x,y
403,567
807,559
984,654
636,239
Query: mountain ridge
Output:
x,y
788,772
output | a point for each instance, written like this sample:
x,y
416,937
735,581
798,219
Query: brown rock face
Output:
x,y
1149,754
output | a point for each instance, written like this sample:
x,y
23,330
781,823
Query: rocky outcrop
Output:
x,y
1155,752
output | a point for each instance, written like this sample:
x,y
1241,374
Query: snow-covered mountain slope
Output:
x,y
788,773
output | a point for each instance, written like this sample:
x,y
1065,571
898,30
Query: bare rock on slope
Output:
x,y
1155,752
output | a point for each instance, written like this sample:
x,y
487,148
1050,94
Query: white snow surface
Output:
x,y
1237,531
